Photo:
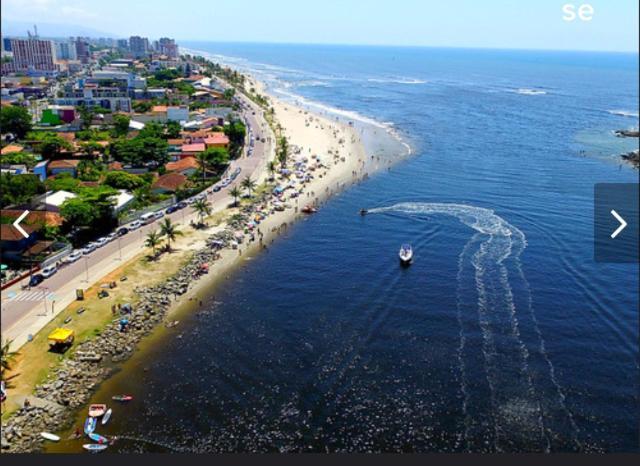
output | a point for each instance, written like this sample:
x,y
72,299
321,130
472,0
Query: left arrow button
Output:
x,y
17,223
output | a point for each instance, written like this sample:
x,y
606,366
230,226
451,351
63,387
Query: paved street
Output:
x,y
25,312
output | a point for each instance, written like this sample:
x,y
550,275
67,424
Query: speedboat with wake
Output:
x,y
405,254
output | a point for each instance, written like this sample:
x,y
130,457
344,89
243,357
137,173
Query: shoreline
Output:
x,y
72,384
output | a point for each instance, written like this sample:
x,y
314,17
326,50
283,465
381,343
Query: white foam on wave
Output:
x,y
397,80
527,91
313,83
625,113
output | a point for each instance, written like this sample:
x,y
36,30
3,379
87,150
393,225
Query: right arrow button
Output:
x,y
622,226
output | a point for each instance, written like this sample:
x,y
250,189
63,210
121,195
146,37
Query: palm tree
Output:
x,y
248,184
153,241
235,192
271,167
168,229
203,162
7,357
283,152
203,208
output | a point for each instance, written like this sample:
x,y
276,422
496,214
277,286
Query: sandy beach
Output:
x,y
333,156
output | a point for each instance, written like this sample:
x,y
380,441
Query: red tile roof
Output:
x,y
199,147
159,109
64,164
11,149
10,233
182,164
170,181
115,166
217,139
35,217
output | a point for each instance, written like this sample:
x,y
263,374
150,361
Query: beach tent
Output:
x,y
61,336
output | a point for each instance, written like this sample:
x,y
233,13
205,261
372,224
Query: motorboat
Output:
x,y
308,209
97,410
406,254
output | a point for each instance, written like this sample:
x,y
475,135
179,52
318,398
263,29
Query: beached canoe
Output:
x,y
98,438
106,416
49,436
90,425
122,398
94,447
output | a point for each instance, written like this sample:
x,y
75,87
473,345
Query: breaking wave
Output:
x,y
624,113
527,91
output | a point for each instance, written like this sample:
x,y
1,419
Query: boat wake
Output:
x,y
526,405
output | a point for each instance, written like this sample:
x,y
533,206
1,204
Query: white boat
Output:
x,y
106,416
94,447
49,436
405,254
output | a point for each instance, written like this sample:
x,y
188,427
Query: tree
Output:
x,y
169,229
271,168
20,158
152,129
283,151
17,189
218,157
229,93
86,116
7,357
92,211
248,184
15,120
203,209
140,151
236,193
173,129
124,180
121,125
236,132
51,145
92,148
89,170
153,241
203,163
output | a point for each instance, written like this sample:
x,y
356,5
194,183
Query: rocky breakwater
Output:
x,y
71,385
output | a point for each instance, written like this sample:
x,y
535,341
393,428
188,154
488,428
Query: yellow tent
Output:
x,y
61,336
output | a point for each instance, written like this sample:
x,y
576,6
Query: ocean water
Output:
x,y
504,334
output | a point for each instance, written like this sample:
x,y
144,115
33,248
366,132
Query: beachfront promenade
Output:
x,y
25,312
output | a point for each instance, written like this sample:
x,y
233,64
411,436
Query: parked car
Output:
x,y
171,209
158,214
89,248
36,279
217,188
48,271
122,231
182,205
111,236
101,242
74,256
135,225
147,218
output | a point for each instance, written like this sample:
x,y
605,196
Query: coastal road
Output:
x,y
26,312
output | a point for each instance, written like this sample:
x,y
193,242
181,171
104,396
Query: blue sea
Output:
x,y
503,336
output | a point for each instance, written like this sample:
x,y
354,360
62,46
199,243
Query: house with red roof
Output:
x,y
169,183
187,166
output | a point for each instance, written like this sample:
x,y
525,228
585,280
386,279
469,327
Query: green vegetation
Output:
x,y
15,120
20,158
89,214
124,180
202,208
170,231
7,357
140,151
236,132
282,152
18,189
248,184
152,241
236,193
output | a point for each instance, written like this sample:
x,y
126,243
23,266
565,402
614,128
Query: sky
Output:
x,y
527,24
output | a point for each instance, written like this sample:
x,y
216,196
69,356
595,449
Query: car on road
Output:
x,y
101,242
135,225
158,214
225,182
217,188
147,218
171,209
122,231
111,236
182,205
89,248
36,279
48,271
74,256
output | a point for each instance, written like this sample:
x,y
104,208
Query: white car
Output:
x,y
89,248
135,225
101,242
111,236
158,214
48,271
74,256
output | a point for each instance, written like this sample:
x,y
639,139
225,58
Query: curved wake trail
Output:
x,y
516,417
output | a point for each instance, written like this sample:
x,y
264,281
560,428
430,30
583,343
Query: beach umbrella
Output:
x,y
4,266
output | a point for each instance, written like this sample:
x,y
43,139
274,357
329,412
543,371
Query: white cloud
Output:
x,y
61,11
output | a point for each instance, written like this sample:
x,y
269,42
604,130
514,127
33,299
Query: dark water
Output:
x,y
504,335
